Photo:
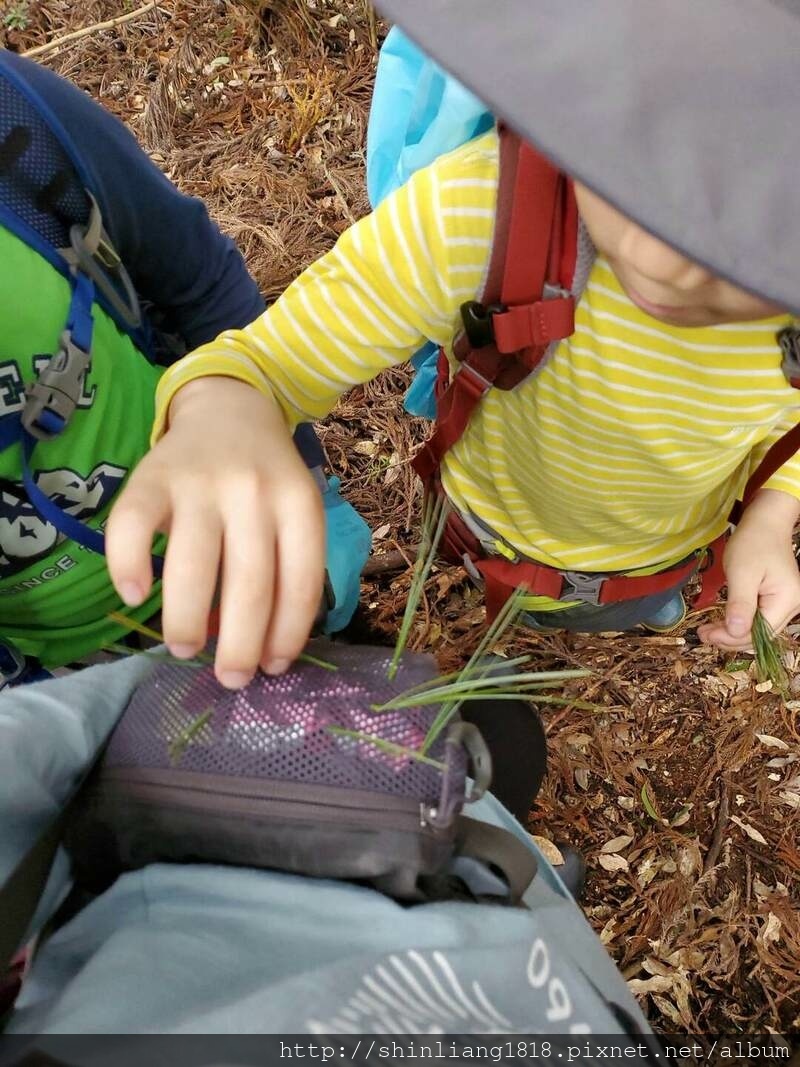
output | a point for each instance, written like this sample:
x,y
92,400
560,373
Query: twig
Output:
x,y
385,564
96,27
719,829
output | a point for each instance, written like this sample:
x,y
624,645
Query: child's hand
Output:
x,y
228,486
761,571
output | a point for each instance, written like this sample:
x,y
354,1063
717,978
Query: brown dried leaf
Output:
x,y
657,984
772,742
617,844
752,833
770,932
550,851
614,863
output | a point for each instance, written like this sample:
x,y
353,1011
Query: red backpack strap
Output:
x,y
784,448
778,454
507,332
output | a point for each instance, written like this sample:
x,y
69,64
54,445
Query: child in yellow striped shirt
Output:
x,y
625,451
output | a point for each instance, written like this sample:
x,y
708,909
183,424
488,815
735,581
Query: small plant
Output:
x,y
18,16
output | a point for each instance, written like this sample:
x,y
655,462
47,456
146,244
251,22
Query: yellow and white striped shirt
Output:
x,y
625,451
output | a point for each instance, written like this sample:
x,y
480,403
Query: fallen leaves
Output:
x,y
550,851
752,833
613,863
772,742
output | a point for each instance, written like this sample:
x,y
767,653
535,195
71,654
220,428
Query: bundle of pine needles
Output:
x,y
769,650
485,676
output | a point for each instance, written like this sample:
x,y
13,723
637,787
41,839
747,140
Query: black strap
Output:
x,y
498,849
20,896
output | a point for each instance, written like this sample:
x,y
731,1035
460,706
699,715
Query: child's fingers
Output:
x,y
248,581
190,576
300,574
142,509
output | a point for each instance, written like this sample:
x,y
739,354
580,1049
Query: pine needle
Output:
x,y
477,668
435,683
202,658
387,746
768,649
306,657
152,653
435,513
535,696
138,627
186,736
483,687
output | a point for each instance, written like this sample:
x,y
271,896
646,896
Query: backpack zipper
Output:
x,y
299,801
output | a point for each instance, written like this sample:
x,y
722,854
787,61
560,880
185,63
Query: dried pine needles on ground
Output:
x,y
682,786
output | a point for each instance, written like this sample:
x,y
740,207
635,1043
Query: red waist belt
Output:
x,y
502,576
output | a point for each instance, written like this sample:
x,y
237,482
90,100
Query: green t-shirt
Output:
x,y
54,595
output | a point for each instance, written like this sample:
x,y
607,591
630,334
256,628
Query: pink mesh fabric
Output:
x,y
279,728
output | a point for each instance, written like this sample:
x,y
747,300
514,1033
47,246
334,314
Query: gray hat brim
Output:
x,y
682,113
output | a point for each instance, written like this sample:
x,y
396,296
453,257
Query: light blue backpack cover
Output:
x,y
229,950
419,112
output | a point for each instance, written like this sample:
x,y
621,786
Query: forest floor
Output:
x,y
682,787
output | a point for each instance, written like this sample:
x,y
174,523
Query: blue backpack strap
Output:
x,y
46,202
65,523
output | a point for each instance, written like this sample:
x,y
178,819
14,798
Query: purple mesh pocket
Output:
x,y
285,728
298,773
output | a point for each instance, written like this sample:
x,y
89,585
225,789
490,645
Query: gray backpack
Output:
x,y
219,945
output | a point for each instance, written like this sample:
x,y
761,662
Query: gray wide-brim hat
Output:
x,y
685,114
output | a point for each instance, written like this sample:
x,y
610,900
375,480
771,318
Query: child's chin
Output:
x,y
674,316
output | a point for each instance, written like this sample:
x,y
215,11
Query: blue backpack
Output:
x,y
45,200
419,112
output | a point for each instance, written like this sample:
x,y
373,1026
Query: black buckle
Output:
x,y
477,320
327,604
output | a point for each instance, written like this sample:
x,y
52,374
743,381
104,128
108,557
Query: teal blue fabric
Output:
x,y
206,949
348,544
420,398
419,112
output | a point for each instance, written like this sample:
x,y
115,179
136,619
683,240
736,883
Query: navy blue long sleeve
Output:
x,y
176,256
